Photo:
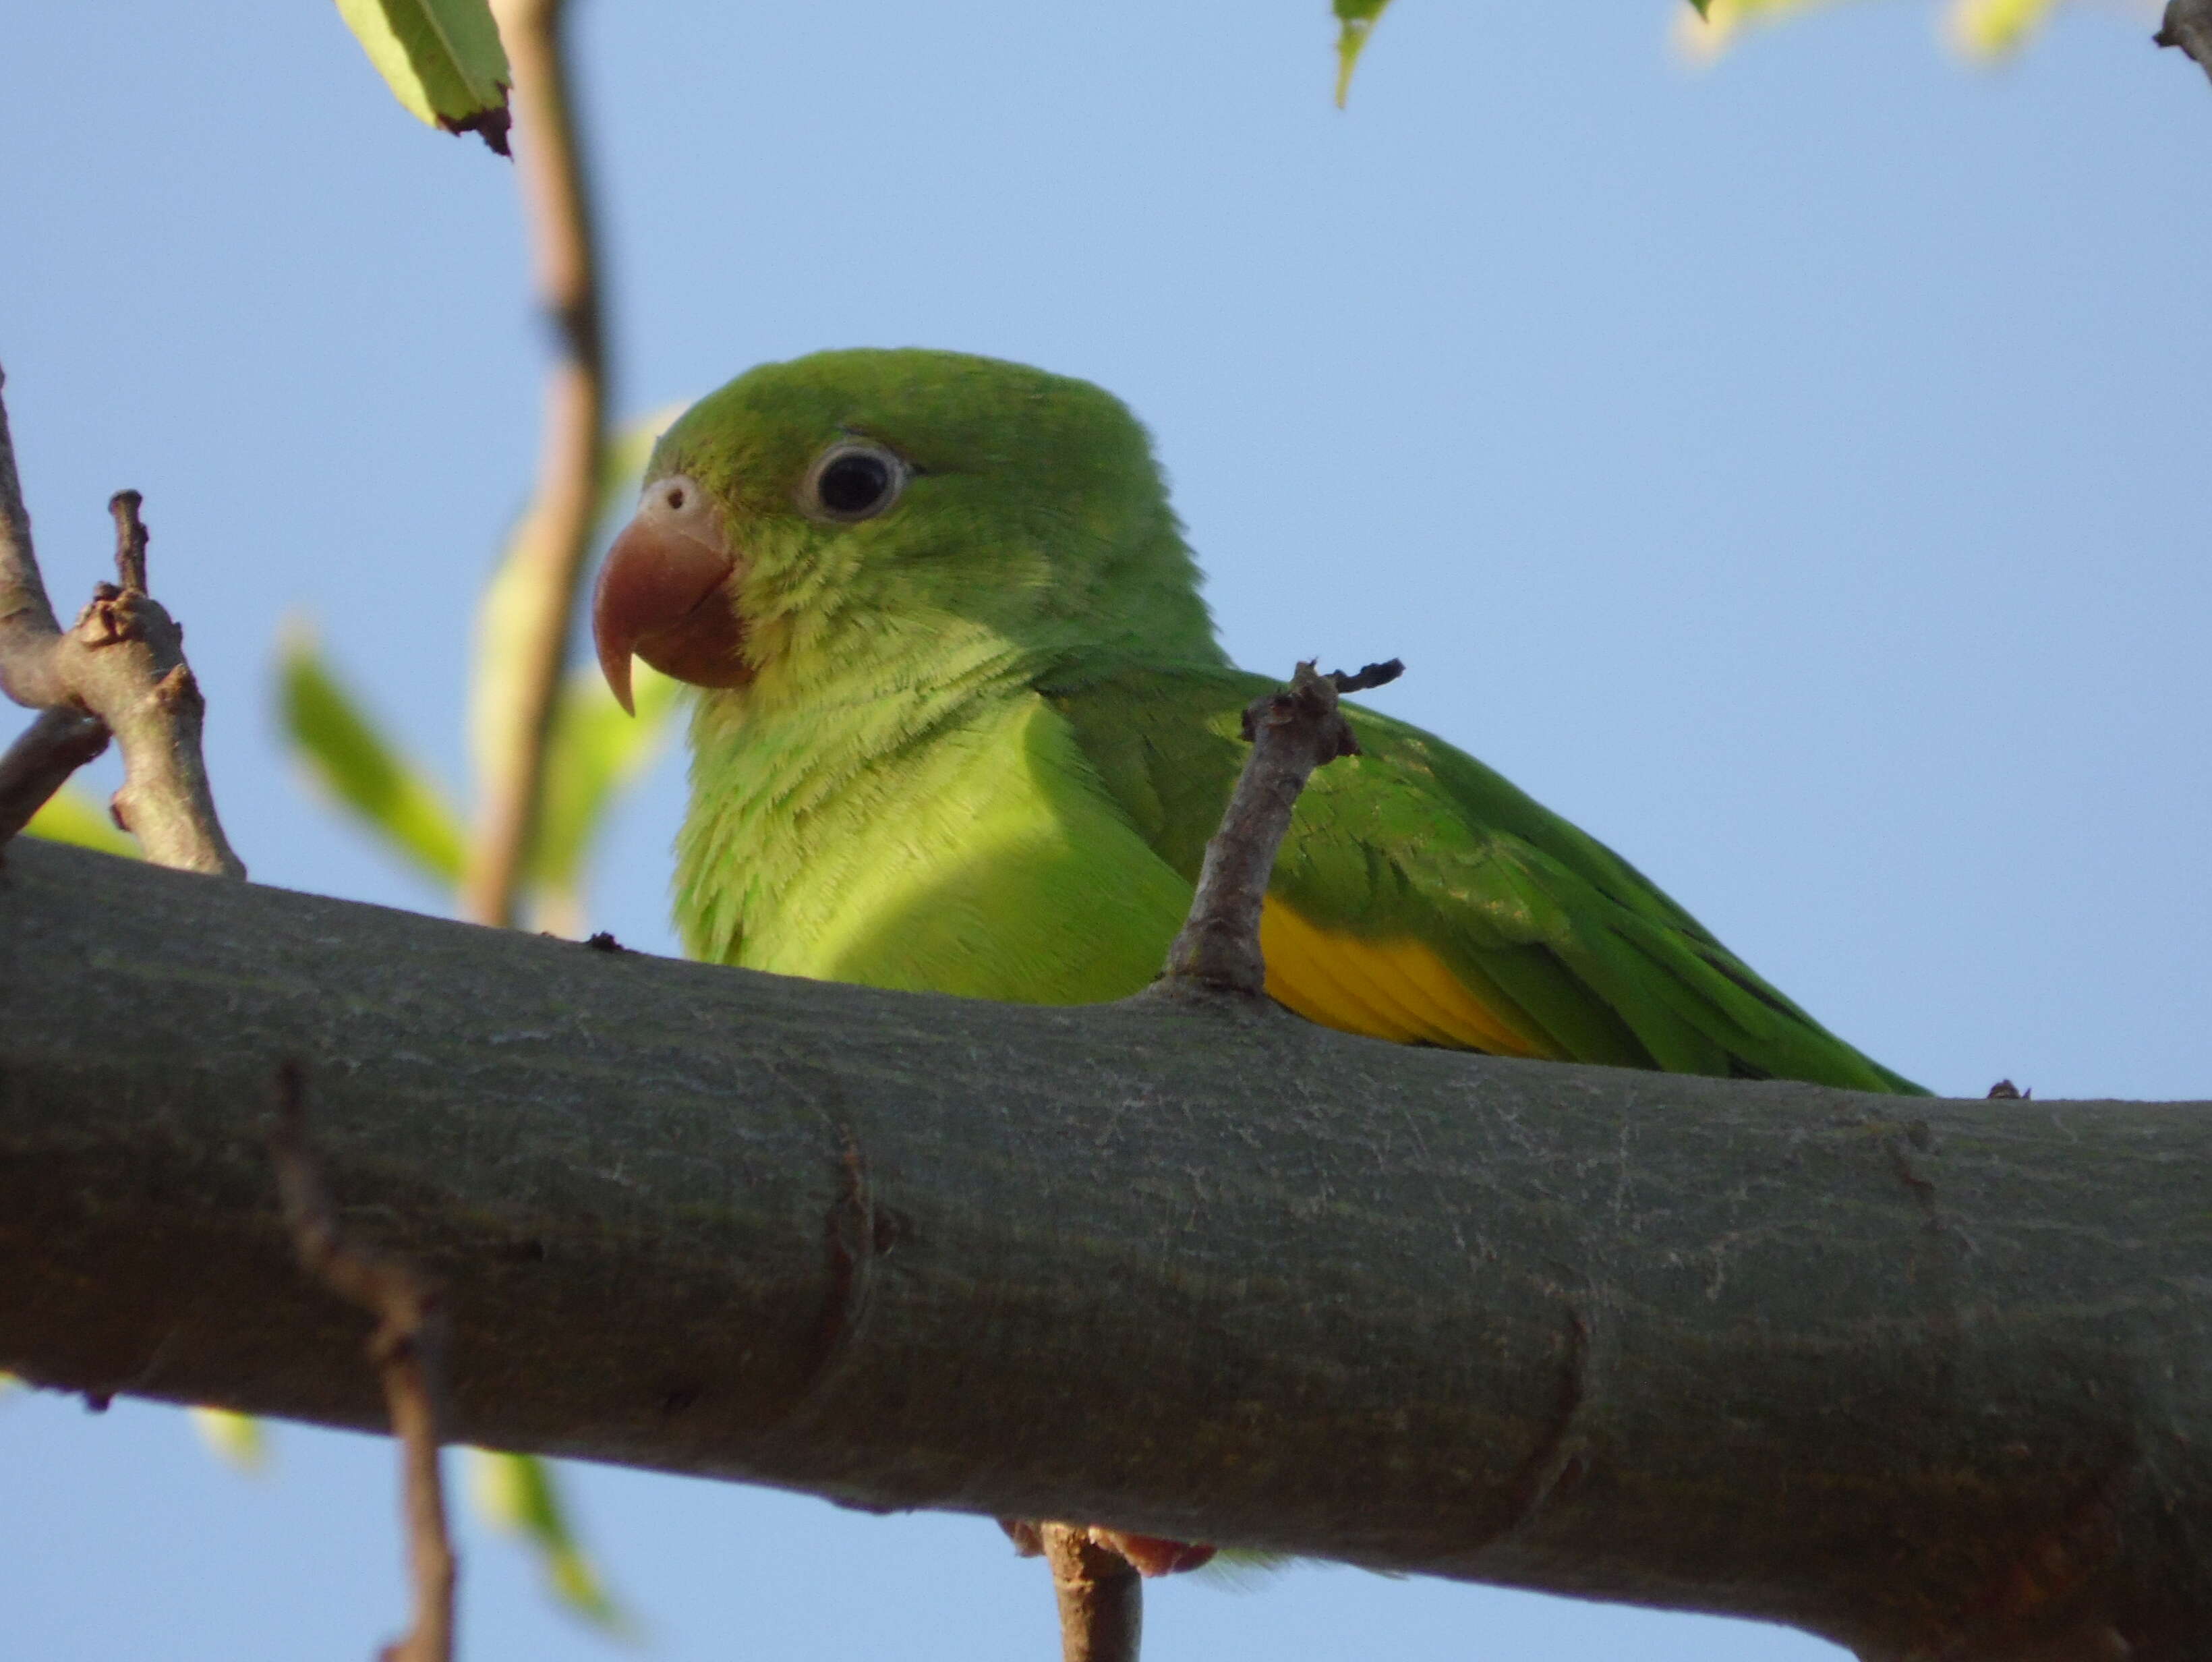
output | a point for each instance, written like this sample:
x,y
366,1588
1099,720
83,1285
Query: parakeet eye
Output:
x,y
855,480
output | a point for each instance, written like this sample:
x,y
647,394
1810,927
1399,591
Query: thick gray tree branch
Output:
x,y
1932,1378
119,668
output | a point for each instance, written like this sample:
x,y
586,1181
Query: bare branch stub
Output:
x,y
1102,1610
407,1351
130,539
2188,25
1293,732
124,659
120,666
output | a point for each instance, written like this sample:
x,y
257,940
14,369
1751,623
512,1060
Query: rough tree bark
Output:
x,y
1931,1378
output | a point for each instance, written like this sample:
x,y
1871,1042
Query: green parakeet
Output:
x,y
965,728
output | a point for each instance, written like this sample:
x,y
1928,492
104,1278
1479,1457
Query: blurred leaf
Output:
x,y
1982,29
70,816
1987,29
596,750
1714,26
441,58
500,614
348,757
622,470
593,748
1355,21
517,1496
238,1439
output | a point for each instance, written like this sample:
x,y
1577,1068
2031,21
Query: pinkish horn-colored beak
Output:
x,y
664,596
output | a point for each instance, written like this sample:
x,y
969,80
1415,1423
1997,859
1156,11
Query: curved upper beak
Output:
x,y
665,595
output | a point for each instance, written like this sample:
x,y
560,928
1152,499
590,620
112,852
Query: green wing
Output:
x,y
1419,896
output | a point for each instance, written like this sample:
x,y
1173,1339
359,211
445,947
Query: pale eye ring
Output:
x,y
853,480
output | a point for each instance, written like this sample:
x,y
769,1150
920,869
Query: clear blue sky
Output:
x,y
1795,473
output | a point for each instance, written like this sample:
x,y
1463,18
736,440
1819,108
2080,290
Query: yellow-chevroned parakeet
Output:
x,y
965,728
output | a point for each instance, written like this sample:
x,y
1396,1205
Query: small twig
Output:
x,y
407,1348
122,666
27,627
547,563
1367,675
41,761
1102,1598
1293,732
130,539
2188,25
1099,1575
1094,1572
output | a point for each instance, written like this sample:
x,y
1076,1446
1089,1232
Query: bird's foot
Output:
x,y
1148,1554
1154,1554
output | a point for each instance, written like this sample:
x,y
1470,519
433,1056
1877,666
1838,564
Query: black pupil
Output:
x,y
854,484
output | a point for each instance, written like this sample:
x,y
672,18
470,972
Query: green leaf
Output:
x,y
346,755
1698,6
517,1496
1355,21
70,816
441,58
238,1439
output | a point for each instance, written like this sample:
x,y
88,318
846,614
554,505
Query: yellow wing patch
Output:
x,y
1394,990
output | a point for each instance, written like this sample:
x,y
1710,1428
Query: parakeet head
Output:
x,y
852,507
